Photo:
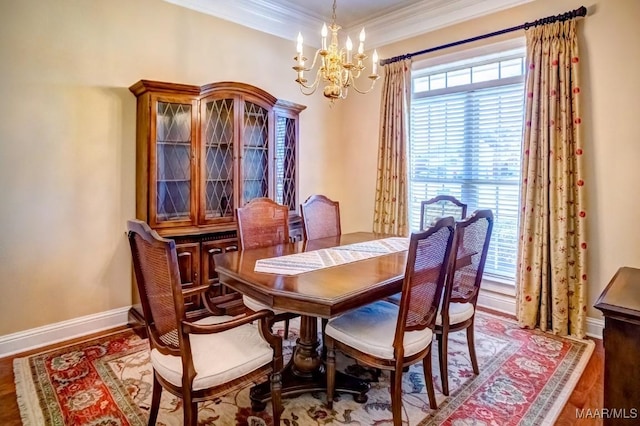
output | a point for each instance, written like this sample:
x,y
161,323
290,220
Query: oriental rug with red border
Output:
x,y
526,377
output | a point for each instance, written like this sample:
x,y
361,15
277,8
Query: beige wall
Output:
x,y
67,135
610,88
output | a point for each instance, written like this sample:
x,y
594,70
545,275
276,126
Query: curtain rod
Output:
x,y
581,11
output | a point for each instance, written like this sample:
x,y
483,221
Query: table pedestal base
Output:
x,y
293,385
305,372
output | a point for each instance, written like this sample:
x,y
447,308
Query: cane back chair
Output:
x,y
458,309
320,217
262,223
441,206
197,360
391,337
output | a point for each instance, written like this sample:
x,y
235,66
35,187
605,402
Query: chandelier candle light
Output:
x,y
339,68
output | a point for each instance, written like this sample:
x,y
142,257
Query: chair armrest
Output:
x,y
191,328
193,291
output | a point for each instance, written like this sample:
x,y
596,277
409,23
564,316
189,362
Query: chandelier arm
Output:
x,y
315,59
312,87
311,92
363,92
344,92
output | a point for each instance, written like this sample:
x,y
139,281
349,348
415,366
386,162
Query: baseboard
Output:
x,y
34,338
503,303
506,304
595,327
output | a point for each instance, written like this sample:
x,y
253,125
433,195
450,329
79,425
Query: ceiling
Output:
x,y
386,21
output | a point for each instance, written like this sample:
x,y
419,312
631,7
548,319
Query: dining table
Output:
x,y
297,284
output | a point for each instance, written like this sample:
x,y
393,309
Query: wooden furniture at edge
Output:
x,y
202,151
620,304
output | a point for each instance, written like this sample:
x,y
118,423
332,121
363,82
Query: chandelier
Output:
x,y
339,68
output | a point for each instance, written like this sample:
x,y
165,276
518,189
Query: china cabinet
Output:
x,y
202,151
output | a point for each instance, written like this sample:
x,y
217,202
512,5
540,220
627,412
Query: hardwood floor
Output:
x,y
587,393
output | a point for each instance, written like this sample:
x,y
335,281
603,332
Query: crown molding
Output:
x,y
422,18
274,18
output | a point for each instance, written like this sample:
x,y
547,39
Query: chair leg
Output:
x,y
155,399
323,325
443,340
428,381
286,328
190,410
472,349
276,397
396,396
331,370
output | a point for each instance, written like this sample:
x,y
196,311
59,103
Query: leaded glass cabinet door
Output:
x,y
255,151
219,135
286,155
172,166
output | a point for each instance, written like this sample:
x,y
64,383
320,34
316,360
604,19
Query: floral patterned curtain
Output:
x,y
390,213
551,277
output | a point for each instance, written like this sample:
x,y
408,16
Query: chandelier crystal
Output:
x,y
339,68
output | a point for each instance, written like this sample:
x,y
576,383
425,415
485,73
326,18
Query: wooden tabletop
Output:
x,y
323,293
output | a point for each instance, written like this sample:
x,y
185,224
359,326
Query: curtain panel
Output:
x,y
551,276
391,214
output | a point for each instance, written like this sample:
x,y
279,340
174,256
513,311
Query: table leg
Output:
x,y
305,371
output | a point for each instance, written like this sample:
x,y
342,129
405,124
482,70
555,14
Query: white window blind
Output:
x,y
465,141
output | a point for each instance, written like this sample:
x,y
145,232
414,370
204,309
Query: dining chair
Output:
x,y
458,309
441,206
388,336
185,354
320,217
262,223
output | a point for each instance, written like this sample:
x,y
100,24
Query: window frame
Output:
x,y
501,51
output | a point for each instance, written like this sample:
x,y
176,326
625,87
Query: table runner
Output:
x,y
299,263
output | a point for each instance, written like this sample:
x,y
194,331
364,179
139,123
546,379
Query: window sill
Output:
x,y
499,285
498,295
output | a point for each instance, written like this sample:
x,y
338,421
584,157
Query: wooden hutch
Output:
x,y
620,304
202,151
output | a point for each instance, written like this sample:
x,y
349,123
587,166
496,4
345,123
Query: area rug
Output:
x,y
526,377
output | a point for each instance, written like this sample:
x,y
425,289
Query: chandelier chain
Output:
x,y
333,16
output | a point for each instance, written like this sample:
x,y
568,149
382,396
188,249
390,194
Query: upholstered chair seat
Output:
x,y
458,313
244,351
371,330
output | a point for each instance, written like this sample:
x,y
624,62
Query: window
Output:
x,y
465,140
